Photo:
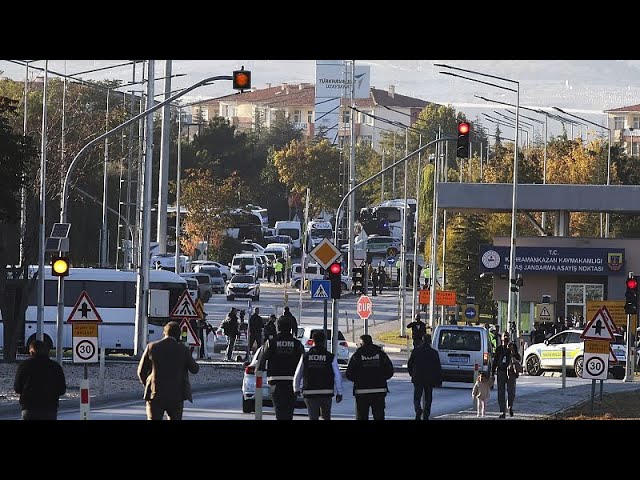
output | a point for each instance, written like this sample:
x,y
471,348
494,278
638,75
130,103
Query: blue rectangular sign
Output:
x,y
321,289
578,261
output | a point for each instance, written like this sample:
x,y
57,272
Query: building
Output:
x,y
247,110
624,123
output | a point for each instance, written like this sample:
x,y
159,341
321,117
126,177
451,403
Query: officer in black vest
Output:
x,y
281,356
319,375
369,369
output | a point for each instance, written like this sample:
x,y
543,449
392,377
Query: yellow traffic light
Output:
x,y
241,80
59,266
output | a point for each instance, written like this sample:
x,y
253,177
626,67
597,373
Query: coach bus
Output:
x,y
113,293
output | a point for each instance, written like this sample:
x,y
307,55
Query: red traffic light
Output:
x,y
241,79
632,283
463,128
335,268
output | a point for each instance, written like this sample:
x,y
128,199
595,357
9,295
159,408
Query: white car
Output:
x,y
249,387
548,355
243,286
224,269
305,332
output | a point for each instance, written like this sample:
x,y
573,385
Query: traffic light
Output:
x,y
334,274
516,283
242,79
631,295
357,276
462,150
59,266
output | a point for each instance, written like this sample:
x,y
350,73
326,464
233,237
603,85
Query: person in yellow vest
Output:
x,y
278,267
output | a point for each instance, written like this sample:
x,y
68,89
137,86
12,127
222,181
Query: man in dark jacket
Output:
x,y
501,361
230,329
39,381
292,321
369,369
426,373
270,329
281,355
256,324
164,371
418,330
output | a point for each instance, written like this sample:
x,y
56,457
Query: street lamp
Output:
x,y
606,221
514,202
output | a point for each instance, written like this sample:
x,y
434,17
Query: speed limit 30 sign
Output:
x,y
85,343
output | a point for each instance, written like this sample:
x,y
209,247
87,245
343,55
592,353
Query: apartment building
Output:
x,y
297,103
624,123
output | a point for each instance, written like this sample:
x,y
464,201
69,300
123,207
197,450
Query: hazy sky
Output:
x,y
583,87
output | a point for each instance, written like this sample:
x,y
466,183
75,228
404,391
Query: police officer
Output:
x,y
319,375
369,369
418,330
270,330
281,356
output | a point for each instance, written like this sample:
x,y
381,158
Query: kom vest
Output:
x,y
370,369
318,373
283,358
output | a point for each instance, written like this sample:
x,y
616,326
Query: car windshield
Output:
x,y
212,272
321,233
301,331
247,260
242,279
459,340
203,279
292,232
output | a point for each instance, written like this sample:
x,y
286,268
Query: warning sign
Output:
x,y
545,312
443,297
84,310
598,328
187,331
185,308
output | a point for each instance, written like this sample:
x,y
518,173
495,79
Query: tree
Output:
x,y
303,165
18,163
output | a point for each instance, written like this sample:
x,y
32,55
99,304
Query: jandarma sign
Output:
x,y
587,261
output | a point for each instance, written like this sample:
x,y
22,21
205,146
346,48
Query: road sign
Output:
x,y
85,349
596,365
84,330
365,307
84,310
599,327
321,289
471,312
325,253
192,338
391,260
545,312
615,307
443,297
200,309
185,308
392,252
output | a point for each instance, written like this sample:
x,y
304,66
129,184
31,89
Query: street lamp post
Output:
x,y
65,193
514,201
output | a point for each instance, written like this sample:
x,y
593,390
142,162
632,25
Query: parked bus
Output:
x,y
113,293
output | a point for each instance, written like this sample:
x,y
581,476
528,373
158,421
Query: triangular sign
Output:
x,y
598,328
609,319
84,310
185,308
192,338
612,356
545,312
200,309
320,292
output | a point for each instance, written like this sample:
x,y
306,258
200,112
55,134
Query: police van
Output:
x,y
461,348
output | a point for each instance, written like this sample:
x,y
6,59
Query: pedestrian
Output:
x,y
164,371
419,274
278,268
374,282
369,369
243,333
481,392
502,359
40,382
382,277
230,328
426,373
418,330
270,330
292,321
318,375
281,356
269,269
256,325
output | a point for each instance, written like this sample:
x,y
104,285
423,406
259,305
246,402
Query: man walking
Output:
x,y
426,373
418,330
40,382
164,371
369,369
374,282
318,375
256,324
501,361
230,329
281,356
292,321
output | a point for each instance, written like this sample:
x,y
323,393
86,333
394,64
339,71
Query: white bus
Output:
x,y
113,293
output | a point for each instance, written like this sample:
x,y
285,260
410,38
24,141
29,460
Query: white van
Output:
x,y
317,230
250,264
461,348
294,230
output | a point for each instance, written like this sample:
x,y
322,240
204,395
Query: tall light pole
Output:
x,y
514,200
43,216
178,174
606,222
163,176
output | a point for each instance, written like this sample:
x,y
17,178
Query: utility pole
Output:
x,y
178,174
105,188
43,216
163,178
352,171
405,243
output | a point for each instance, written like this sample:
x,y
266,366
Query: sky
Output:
x,y
583,87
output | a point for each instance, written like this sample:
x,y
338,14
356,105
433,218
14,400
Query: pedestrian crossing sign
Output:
x,y
185,308
188,335
321,289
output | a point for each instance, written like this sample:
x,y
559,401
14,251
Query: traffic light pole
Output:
x,y
334,325
67,178
628,376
